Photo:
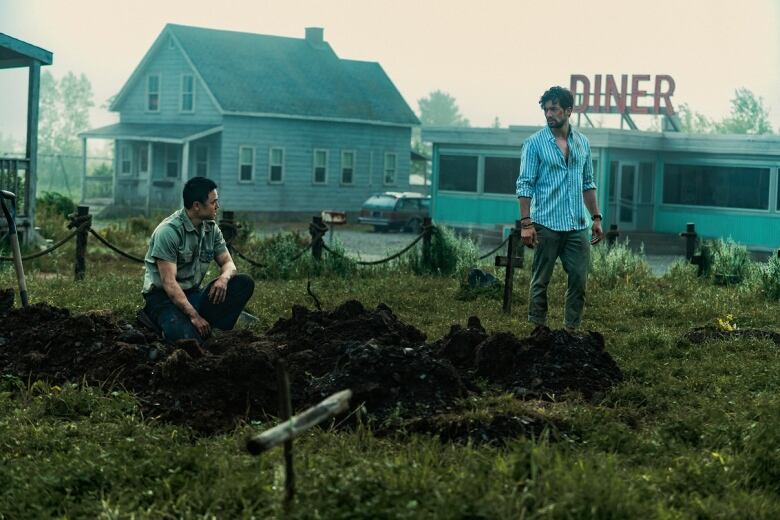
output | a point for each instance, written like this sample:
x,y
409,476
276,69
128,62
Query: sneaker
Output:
x,y
147,322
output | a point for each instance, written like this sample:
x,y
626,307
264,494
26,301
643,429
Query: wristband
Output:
x,y
597,216
525,218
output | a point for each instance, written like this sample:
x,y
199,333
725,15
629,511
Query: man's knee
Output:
x,y
242,283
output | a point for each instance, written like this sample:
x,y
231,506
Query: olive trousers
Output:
x,y
573,248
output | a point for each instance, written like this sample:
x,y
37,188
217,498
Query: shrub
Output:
x,y
280,257
769,278
450,254
613,265
726,261
51,214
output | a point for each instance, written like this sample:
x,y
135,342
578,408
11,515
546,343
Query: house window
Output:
x,y
276,165
347,167
153,93
716,186
171,161
501,175
458,173
143,158
126,160
390,166
187,93
202,160
320,167
246,163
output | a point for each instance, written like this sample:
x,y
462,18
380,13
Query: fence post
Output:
x,y
509,278
316,231
427,233
80,267
612,235
227,225
690,240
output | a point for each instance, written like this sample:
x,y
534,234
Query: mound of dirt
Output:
x,y
232,377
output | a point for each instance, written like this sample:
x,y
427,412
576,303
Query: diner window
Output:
x,y
501,175
458,173
716,186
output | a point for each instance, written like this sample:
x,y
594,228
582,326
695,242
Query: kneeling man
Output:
x,y
180,251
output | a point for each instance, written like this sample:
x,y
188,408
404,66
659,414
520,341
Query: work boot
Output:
x,y
147,322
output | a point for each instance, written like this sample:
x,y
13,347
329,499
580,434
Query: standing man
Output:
x,y
180,251
554,188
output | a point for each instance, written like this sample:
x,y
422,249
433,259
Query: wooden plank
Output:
x,y
502,261
333,405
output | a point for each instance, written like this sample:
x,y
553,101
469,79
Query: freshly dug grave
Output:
x,y
702,334
395,375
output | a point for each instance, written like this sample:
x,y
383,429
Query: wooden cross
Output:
x,y
511,262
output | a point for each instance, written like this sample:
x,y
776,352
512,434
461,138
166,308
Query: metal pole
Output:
x,y
285,413
80,267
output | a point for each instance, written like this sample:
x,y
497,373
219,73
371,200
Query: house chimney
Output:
x,y
314,35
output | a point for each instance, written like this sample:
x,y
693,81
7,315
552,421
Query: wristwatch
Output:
x,y
597,216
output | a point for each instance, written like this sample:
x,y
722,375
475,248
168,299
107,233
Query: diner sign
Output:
x,y
607,97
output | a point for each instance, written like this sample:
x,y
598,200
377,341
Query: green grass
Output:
x,y
692,432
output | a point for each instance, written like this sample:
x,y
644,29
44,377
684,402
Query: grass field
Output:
x,y
692,432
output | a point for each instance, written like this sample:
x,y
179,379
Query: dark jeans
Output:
x,y
176,325
573,248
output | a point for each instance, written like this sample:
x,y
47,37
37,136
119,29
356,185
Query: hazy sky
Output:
x,y
494,57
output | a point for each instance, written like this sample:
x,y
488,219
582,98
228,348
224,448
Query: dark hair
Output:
x,y
197,189
562,95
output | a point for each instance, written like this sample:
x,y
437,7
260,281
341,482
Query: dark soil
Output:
x,y
394,374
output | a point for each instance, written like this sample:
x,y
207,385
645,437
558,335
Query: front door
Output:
x,y
626,191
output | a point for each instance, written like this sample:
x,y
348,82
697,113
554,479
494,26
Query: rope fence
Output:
x,y
81,225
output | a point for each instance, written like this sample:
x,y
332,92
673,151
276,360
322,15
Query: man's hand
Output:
x,y
218,290
201,325
528,236
597,234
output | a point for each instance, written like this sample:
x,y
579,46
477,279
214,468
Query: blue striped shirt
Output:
x,y
554,187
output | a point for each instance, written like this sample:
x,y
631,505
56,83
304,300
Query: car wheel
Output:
x,y
414,226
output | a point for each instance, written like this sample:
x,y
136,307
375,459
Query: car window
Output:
x,y
409,204
380,202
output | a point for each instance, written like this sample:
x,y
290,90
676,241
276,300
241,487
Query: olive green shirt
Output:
x,y
192,249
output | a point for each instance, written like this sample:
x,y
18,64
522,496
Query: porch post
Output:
x,y
83,169
185,162
149,178
33,94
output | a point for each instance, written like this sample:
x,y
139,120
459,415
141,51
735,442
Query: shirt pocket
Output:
x,y
206,256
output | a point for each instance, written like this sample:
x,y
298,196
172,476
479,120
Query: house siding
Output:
x,y
299,139
170,64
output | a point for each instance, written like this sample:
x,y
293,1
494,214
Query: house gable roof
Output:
x,y
261,75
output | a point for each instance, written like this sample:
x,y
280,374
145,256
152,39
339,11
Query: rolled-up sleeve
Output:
x,y
220,246
587,171
529,171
